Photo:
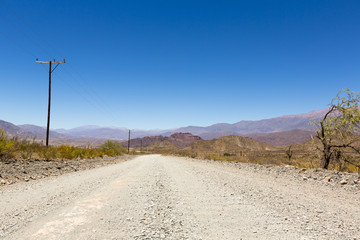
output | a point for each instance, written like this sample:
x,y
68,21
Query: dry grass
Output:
x,y
234,148
33,149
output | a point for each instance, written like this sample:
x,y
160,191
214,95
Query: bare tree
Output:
x,y
339,128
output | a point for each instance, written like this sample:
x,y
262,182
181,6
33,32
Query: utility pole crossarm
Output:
x,y
49,61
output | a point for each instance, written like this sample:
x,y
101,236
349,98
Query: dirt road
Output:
x,y
155,197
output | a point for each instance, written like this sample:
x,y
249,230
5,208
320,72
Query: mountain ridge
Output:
x,y
256,129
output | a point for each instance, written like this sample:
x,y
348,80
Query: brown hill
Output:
x,y
182,139
177,139
144,142
162,147
234,146
40,131
12,129
284,138
229,144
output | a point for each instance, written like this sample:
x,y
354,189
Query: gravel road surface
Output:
x,y
157,197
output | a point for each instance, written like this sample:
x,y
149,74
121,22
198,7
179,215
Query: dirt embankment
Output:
x,y
15,170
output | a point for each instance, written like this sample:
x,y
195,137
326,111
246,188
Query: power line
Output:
x,y
18,44
79,79
86,88
81,82
24,34
20,18
87,97
31,30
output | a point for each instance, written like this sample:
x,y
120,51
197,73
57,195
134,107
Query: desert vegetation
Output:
x,y
336,145
300,155
338,130
14,147
240,149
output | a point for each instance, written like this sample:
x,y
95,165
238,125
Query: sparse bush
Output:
x,y
112,148
5,144
47,153
27,148
68,152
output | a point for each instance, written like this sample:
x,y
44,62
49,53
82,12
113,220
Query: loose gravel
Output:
x,y
19,170
156,197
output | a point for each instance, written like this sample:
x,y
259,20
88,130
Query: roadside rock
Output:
x,y
348,181
343,182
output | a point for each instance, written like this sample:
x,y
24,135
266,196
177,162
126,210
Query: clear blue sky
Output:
x,y
165,64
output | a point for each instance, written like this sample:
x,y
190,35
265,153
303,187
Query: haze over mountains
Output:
x,y
245,128
282,130
108,132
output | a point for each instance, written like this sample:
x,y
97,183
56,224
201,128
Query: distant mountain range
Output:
x,y
289,129
248,128
34,130
108,132
12,129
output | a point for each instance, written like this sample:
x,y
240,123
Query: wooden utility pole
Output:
x,y
49,101
129,142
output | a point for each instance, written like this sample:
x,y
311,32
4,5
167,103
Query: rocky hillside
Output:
x,y
12,129
245,128
289,129
284,138
162,147
233,145
182,139
229,144
177,139
40,131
